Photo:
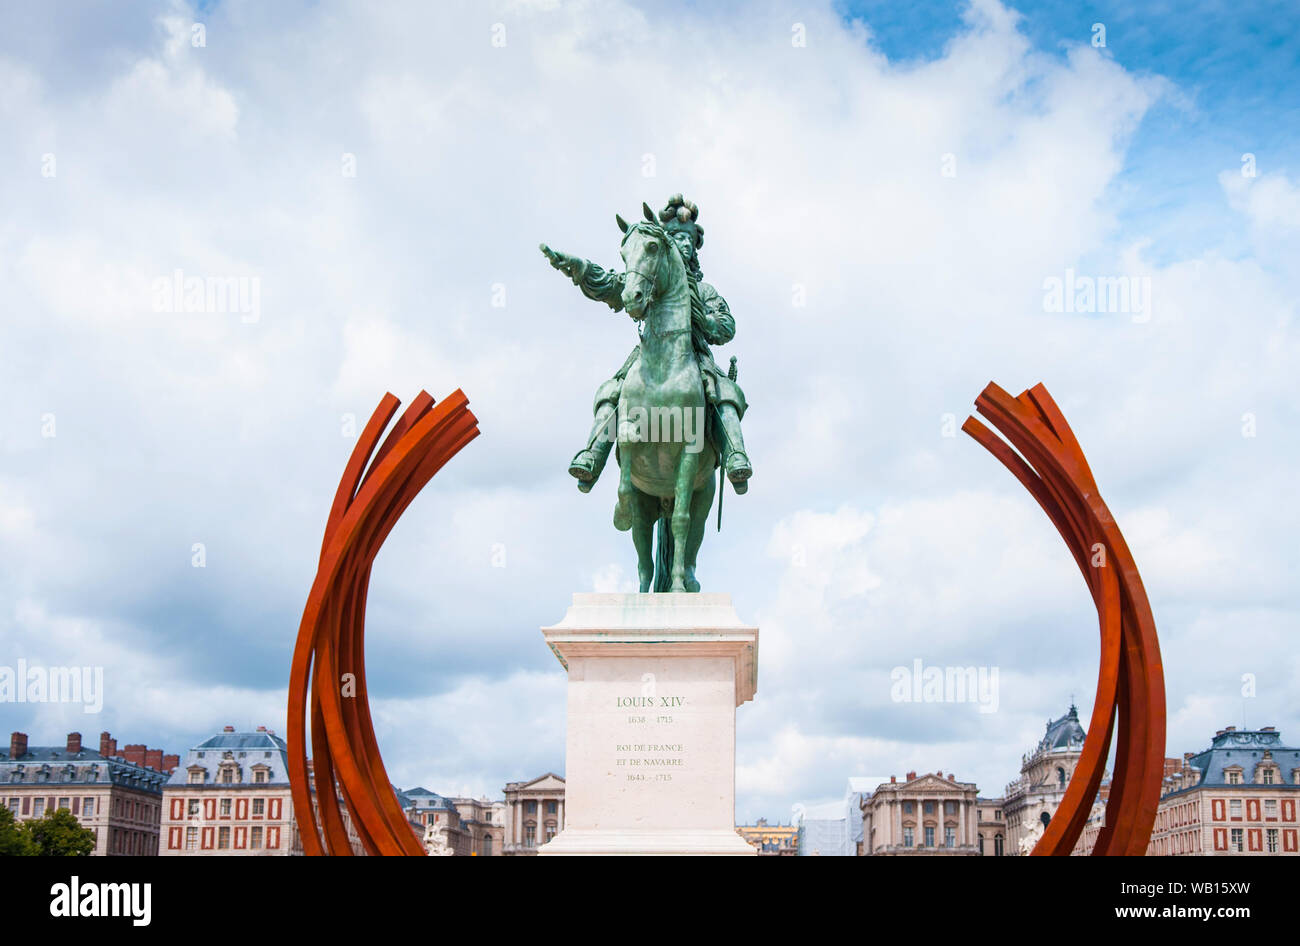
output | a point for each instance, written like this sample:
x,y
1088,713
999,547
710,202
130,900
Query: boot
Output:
x,y
587,464
734,461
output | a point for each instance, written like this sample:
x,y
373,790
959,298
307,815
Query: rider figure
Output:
x,y
678,219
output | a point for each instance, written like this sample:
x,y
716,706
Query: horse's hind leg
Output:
x,y
701,503
646,515
681,518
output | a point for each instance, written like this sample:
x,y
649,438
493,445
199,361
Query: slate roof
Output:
x,y
1063,733
1244,748
245,749
54,765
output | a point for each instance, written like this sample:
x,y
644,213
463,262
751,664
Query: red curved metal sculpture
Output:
x,y
329,653
1130,683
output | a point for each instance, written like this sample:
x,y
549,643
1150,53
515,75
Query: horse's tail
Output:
x,y
664,547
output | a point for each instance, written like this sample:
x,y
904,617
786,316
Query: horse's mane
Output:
x,y
699,319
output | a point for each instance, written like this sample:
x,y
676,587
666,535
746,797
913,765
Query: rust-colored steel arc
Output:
x,y
327,677
1130,698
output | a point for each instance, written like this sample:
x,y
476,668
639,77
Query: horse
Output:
x,y
663,481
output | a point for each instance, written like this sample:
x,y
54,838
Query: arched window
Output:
x,y
1045,818
487,845
1060,777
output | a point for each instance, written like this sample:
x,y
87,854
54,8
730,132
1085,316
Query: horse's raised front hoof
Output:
x,y
741,488
584,486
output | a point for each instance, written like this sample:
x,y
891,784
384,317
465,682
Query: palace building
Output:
x,y
1030,801
931,814
1238,797
117,795
231,796
991,830
772,840
534,813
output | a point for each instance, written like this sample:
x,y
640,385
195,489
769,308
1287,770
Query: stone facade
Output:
x,y
534,813
930,815
230,796
117,795
771,840
1030,802
991,830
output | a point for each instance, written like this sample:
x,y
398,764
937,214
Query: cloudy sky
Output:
x,y
888,192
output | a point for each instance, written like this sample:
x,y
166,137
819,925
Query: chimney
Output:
x,y
17,745
1229,728
227,728
74,743
261,729
911,776
893,780
169,763
112,747
134,753
153,759
1266,729
1219,733
105,744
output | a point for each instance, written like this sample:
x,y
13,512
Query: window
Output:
x,y
981,845
530,835
997,846
13,805
1268,776
530,807
38,807
259,806
227,776
908,838
487,845
87,806
551,808
255,837
225,806
193,810
1236,839
1060,777
191,838
1234,808
266,755
950,808
1045,818
929,835
550,831
65,803
1272,840
928,807
1270,808
259,777
907,808
196,776
949,837
1234,778
223,838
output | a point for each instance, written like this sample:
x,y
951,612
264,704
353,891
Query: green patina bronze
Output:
x,y
670,410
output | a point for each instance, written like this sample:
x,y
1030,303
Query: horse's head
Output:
x,y
652,261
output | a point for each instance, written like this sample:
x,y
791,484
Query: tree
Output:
x,y
59,834
14,839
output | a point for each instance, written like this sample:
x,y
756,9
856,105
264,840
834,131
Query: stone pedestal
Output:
x,y
654,682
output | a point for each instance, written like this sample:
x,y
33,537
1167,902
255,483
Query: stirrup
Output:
x,y
738,468
583,472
